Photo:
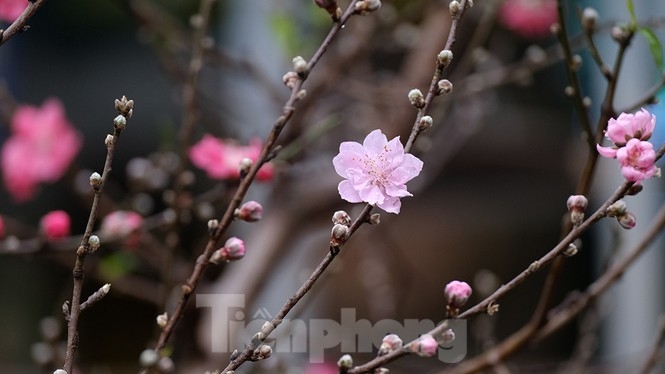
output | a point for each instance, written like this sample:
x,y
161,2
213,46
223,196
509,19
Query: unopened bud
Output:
x,y
299,65
444,86
340,233
448,336
455,8
250,211
416,98
589,17
364,7
124,107
213,224
261,353
233,249
148,358
457,293
95,180
93,242
425,346
345,362
390,342
162,320
290,79
576,205
120,122
444,57
375,219
59,371
244,166
109,140
570,251
617,209
619,35
425,123
634,189
627,220
341,217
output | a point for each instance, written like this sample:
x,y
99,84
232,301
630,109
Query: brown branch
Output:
x,y
21,23
124,107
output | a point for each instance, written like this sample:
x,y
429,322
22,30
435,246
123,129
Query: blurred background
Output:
x,y
503,156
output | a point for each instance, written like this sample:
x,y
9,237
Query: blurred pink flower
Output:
x,y
41,147
123,224
376,171
529,18
324,368
221,160
637,160
11,9
2,227
55,224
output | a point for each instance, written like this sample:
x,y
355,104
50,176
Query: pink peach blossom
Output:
x,y
55,225
627,126
425,346
376,171
529,18
221,160
11,9
41,147
637,160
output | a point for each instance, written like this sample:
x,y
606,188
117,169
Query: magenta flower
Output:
x,y
221,160
628,126
233,249
637,160
55,225
41,147
11,9
376,171
123,224
530,18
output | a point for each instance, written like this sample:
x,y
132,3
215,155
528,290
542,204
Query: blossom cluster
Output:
x,y
42,145
630,134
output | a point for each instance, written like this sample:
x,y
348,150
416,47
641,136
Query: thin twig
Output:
x,y
124,107
21,23
657,350
289,108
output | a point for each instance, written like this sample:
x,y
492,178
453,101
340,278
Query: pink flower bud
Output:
x,y
425,346
55,225
233,249
627,220
390,343
577,203
457,293
250,211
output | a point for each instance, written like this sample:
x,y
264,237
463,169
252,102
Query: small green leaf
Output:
x,y
633,18
116,265
654,45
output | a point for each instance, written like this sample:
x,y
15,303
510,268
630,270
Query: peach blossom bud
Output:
x,y
577,203
244,166
455,8
375,219
93,242
213,224
262,352
390,343
109,140
55,225
445,57
299,65
416,98
234,249
345,362
448,336
571,250
290,79
634,189
444,86
339,235
341,217
627,220
425,346
457,293
250,211
364,7
148,358
589,17
95,180
328,5
120,122
617,209
425,123
162,319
